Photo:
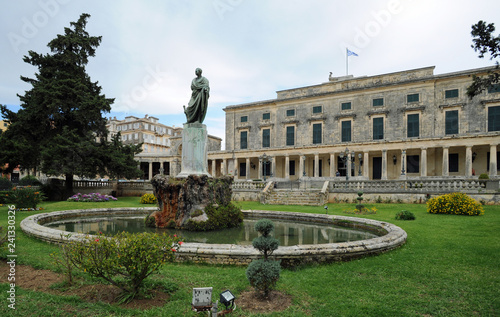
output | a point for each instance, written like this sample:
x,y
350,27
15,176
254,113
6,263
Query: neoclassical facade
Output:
x,y
161,144
408,124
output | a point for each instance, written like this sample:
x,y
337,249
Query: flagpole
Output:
x,y
346,62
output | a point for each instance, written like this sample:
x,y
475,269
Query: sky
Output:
x,y
248,49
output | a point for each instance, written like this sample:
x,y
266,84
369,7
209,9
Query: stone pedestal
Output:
x,y
194,150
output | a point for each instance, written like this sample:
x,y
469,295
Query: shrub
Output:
x,y
454,204
148,199
264,273
5,183
405,215
29,181
219,217
4,196
484,176
25,197
92,197
126,259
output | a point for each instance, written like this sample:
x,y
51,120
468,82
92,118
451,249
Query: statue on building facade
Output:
x,y
198,104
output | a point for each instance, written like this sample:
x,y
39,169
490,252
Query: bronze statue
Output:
x,y
198,104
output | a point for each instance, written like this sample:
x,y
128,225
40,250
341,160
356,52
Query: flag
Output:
x,y
349,53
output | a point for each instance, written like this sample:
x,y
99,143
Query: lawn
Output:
x,y
450,266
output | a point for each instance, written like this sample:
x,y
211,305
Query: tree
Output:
x,y
485,43
60,127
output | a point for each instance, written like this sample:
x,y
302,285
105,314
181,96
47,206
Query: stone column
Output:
x,y
214,168
287,166
316,165
446,168
223,167
301,167
423,162
366,165
150,170
348,165
273,167
247,168
261,168
468,161
333,164
384,164
403,162
493,160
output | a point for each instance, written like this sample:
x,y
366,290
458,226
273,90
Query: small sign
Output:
x,y
202,296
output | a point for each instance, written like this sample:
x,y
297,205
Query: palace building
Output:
x,y
408,124
161,144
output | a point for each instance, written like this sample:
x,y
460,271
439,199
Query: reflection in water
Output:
x,y
287,232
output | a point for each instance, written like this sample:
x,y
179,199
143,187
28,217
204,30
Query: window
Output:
x,y
453,162
290,112
346,106
346,131
378,102
494,118
317,133
413,163
244,119
266,138
494,88
378,128
290,135
243,140
317,109
413,125
412,98
452,93
292,168
266,116
451,122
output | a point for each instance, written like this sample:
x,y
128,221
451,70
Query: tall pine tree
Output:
x,y
60,127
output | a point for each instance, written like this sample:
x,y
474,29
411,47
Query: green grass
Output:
x,y
450,266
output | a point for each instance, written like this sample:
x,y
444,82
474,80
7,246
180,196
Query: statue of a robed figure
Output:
x,y
194,134
198,104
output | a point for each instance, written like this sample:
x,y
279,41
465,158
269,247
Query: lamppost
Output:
x,y
344,156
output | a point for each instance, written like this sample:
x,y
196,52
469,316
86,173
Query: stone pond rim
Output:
x,y
290,256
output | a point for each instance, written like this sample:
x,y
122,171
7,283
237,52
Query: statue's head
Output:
x,y
198,71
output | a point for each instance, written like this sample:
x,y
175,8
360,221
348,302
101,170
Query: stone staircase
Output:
x,y
311,197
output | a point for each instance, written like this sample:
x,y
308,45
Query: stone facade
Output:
x,y
161,144
404,125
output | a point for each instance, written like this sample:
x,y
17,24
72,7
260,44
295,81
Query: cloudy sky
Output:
x,y
248,49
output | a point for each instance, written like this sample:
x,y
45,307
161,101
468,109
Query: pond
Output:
x,y
287,232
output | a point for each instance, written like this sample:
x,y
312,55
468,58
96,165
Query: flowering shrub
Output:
x,y
24,197
361,211
124,260
92,197
454,204
148,199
